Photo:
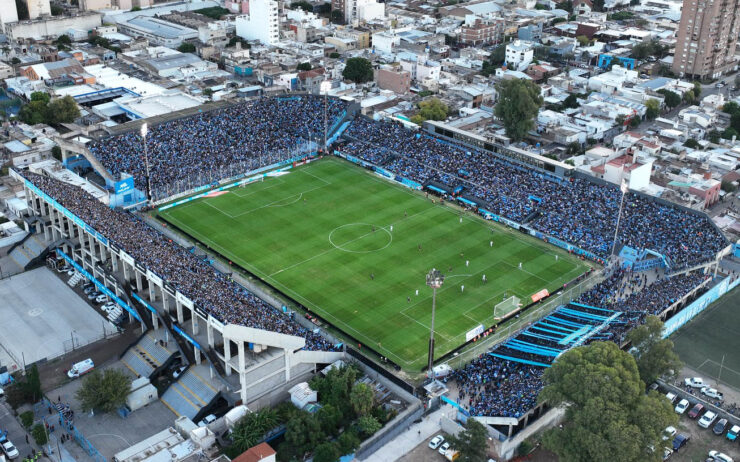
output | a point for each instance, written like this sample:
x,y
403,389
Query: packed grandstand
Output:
x,y
575,210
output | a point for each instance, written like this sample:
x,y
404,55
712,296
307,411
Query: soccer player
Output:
x,y
484,279
460,219
391,228
520,265
467,263
372,276
490,243
462,288
417,292
419,247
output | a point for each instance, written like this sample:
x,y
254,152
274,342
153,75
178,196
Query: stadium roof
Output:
x,y
161,28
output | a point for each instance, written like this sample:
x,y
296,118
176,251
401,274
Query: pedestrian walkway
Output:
x,y
57,447
411,438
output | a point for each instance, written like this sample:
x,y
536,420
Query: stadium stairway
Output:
x,y
29,251
191,395
148,355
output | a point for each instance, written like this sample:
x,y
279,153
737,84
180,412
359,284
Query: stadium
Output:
x,y
323,224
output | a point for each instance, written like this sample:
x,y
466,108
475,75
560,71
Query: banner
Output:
x,y
474,332
124,186
540,295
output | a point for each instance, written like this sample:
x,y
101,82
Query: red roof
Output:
x,y
255,453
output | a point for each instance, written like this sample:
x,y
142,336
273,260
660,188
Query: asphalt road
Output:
x,y
16,433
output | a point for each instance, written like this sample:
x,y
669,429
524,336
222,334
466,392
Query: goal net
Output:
x,y
507,306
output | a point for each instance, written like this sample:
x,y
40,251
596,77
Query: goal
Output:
x,y
500,310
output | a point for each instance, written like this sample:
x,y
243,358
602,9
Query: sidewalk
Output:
x,y
57,446
411,438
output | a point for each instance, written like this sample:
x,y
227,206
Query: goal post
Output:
x,y
500,310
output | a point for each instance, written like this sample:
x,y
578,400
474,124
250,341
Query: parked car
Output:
x,y
179,371
93,295
71,272
101,298
669,433
667,453
720,426
207,420
707,419
733,432
694,382
436,441
443,449
108,306
719,456
11,452
680,441
696,410
682,406
719,84
87,290
671,397
712,393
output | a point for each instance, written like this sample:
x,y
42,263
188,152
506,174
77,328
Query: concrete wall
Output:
x,y
506,449
52,27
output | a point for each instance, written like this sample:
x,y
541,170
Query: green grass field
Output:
x,y
355,248
715,332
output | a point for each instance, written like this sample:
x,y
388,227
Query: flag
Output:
x,y
624,187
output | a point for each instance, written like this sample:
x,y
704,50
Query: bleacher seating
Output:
x,y
146,356
189,394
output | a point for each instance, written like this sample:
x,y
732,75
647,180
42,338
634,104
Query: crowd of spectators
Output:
x,y
494,386
206,147
209,289
575,210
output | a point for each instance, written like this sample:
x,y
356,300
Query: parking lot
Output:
x,y
44,317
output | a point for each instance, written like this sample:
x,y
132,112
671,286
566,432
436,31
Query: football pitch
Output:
x,y
355,248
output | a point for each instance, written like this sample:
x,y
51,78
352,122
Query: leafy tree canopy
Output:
x,y
471,442
655,355
519,101
358,70
104,391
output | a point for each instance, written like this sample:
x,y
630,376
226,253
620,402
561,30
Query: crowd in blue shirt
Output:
x,y
498,387
196,150
574,210
192,276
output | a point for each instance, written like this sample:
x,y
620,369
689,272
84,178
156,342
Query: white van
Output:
x,y
81,368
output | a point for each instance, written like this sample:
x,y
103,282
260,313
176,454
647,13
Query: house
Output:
x,y
260,453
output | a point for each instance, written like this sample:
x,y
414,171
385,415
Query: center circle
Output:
x,y
360,238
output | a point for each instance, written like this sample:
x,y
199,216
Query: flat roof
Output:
x,y
160,27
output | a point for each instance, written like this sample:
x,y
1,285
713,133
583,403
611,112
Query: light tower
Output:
x,y
144,131
434,280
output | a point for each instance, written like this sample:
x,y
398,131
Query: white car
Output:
x,y
108,307
436,441
207,420
712,393
694,382
101,298
682,406
707,419
671,397
443,449
719,84
669,433
10,450
720,457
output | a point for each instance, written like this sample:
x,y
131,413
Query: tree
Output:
x,y
729,133
39,434
731,108
691,143
689,97
728,186
250,429
431,108
337,16
608,411
672,99
186,47
471,442
304,66
329,418
655,355
620,119
583,40
518,105
571,102
635,122
495,59
697,89
301,5
653,108
303,432
368,425
713,136
348,442
334,55
362,398
104,391
358,70
326,452
62,110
